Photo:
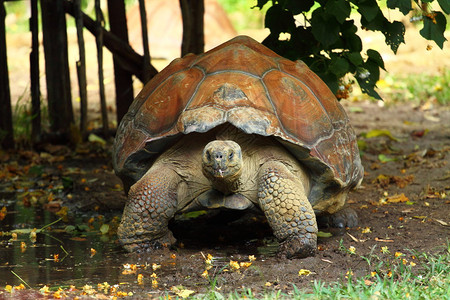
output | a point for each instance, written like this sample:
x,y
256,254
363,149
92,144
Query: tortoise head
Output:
x,y
222,164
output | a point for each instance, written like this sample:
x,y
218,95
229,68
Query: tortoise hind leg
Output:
x,y
152,202
282,197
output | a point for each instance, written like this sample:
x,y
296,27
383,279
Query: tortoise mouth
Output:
x,y
220,172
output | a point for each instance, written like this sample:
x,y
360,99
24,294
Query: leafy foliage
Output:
x,y
324,35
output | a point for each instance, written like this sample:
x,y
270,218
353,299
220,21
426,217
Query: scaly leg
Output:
x,y
283,199
152,202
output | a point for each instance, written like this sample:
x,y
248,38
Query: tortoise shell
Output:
x,y
251,87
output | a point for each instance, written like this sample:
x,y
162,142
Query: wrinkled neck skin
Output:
x,y
226,185
222,165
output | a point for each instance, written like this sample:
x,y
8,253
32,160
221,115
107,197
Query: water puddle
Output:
x,y
37,249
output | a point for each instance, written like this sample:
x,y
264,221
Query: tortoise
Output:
x,y
236,127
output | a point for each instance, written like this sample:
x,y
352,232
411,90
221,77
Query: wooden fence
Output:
x,y
126,62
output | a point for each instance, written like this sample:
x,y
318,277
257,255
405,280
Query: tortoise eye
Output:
x,y
231,155
208,155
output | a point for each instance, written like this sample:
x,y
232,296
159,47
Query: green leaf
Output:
x,y
70,228
355,58
434,31
362,145
380,132
67,182
375,55
384,159
279,20
297,7
325,30
104,228
367,77
394,34
339,66
340,9
25,230
192,215
324,234
403,5
36,170
445,5
369,10
93,138
261,3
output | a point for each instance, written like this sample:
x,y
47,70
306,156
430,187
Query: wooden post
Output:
x,y
122,77
57,66
81,69
144,37
34,75
192,12
6,128
101,84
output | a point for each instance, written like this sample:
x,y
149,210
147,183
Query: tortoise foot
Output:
x,y
142,246
298,247
344,218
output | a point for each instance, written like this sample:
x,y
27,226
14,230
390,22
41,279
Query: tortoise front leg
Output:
x,y
282,197
152,202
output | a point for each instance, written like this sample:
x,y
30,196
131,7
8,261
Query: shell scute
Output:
x,y
322,93
226,59
302,117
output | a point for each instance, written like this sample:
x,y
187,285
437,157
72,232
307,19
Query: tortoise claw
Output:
x,y
148,245
298,247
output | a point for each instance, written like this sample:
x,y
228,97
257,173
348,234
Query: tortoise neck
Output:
x,y
226,185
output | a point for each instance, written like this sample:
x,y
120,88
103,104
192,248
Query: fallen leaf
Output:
x,y
304,272
353,238
327,261
324,234
104,228
442,222
184,293
384,159
380,132
384,240
397,198
419,133
368,282
96,139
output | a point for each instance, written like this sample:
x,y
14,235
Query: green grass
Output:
x,y
392,276
22,118
241,14
418,87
